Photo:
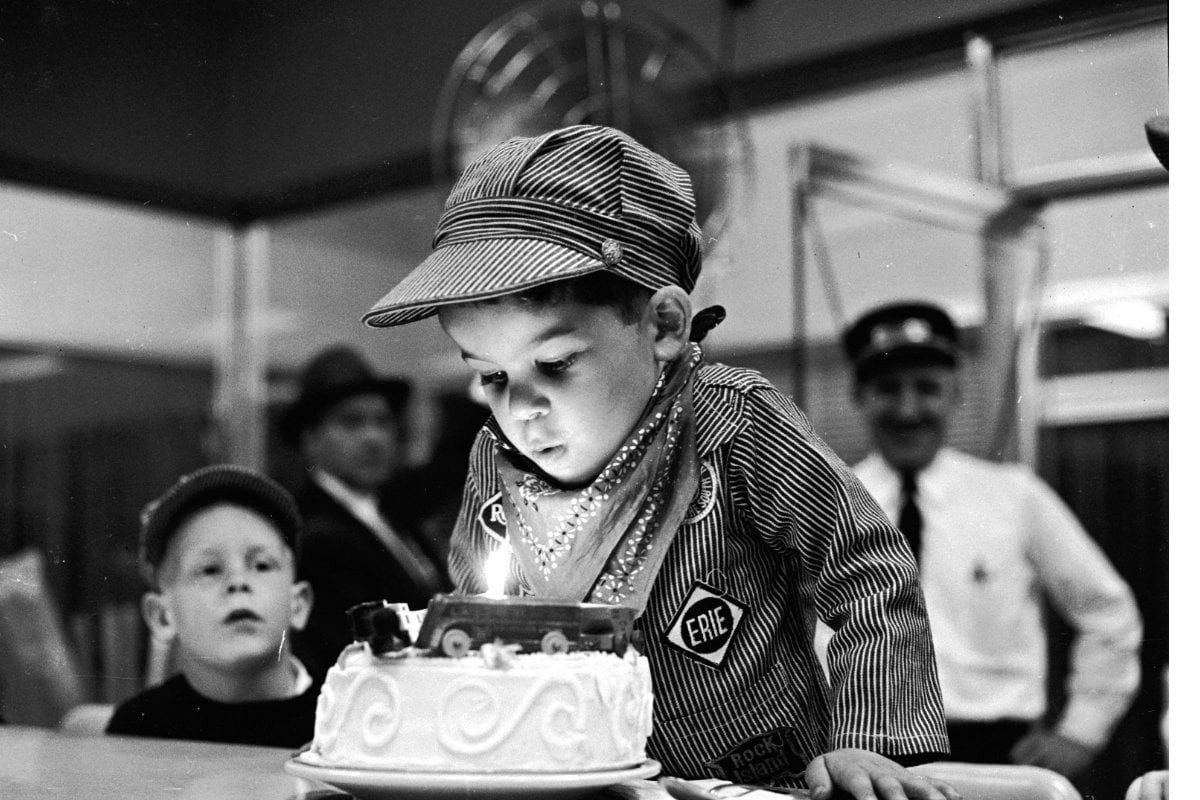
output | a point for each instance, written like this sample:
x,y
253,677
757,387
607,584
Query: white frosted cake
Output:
x,y
492,710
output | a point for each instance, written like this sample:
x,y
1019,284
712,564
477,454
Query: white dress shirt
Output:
x,y
995,540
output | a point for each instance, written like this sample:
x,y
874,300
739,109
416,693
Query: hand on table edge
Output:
x,y
864,775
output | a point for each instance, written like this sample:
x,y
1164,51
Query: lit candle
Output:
x,y
496,570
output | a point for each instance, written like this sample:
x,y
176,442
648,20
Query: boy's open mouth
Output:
x,y
543,448
242,615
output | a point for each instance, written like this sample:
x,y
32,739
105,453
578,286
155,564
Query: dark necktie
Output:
x,y
910,522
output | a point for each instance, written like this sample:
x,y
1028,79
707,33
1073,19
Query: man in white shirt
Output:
x,y
991,541
360,543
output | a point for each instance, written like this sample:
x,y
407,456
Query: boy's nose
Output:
x,y
238,583
525,404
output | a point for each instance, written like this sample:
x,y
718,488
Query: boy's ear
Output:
x,y
159,617
302,600
670,310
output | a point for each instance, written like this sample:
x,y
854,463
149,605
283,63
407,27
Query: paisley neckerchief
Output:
x,y
604,543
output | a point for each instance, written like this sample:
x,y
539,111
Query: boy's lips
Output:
x,y
241,615
543,448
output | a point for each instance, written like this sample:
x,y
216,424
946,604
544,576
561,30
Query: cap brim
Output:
x,y
478,270
905,355
222,483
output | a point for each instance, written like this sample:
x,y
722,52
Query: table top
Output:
x,y
44,764
41,763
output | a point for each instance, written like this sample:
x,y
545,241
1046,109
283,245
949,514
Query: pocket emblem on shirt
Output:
x,y
491,518
705,624
763,759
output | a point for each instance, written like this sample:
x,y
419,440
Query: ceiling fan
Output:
x,y
546,65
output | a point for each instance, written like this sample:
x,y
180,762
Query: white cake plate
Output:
x,y
372,784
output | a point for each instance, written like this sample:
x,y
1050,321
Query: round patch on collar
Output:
x,y
706,494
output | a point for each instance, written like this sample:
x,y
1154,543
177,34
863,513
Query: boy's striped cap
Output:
x,y
206,487
540,209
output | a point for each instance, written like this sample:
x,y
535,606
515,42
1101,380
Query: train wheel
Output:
x,y
554,642
456,642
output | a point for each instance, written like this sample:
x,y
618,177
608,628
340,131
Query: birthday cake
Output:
x,y
578,702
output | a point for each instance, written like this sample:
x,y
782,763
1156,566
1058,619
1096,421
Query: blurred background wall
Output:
x,y
196,197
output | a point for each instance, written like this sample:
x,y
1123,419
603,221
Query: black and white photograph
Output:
x,y
591,400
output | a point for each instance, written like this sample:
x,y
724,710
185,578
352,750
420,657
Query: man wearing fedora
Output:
x,y
992,541
358,543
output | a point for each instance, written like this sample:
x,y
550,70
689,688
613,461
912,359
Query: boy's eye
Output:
x,y
209,569
556,367
492,378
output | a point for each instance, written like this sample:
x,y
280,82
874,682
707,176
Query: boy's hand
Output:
x,y
864,775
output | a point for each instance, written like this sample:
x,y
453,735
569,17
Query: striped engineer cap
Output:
x,y
540,209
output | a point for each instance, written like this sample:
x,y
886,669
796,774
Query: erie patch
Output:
x,y
705,625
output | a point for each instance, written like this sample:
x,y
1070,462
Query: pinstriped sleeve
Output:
x,y
857,571
470,543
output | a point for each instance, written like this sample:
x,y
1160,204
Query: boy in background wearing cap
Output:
x,y
618,467
217,548
993,541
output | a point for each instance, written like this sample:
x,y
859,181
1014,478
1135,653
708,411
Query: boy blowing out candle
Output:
x,y
621,467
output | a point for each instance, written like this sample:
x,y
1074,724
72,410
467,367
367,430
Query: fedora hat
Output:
x,y
330,377
545,208
908,333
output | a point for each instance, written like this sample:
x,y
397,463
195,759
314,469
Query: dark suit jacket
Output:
x,y
347,564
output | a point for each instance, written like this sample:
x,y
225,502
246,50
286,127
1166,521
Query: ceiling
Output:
x,y
243,110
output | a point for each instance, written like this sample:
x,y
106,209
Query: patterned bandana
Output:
x,y
605,543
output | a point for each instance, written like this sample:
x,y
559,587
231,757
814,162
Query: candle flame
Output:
x,y
496,570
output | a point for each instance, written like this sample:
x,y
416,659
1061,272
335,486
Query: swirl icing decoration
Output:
x,y
610,695
470,722
631,704
381,720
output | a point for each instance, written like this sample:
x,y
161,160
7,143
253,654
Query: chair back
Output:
x,y
39,675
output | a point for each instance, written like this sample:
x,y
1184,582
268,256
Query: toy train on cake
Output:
x,y
453,625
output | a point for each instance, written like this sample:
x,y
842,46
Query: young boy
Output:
x,y
218,550
620,468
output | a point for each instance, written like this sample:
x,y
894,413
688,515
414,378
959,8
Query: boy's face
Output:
x,y
908,409
567,382
228,593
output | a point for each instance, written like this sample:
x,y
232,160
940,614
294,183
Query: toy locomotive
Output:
x,y
453,625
